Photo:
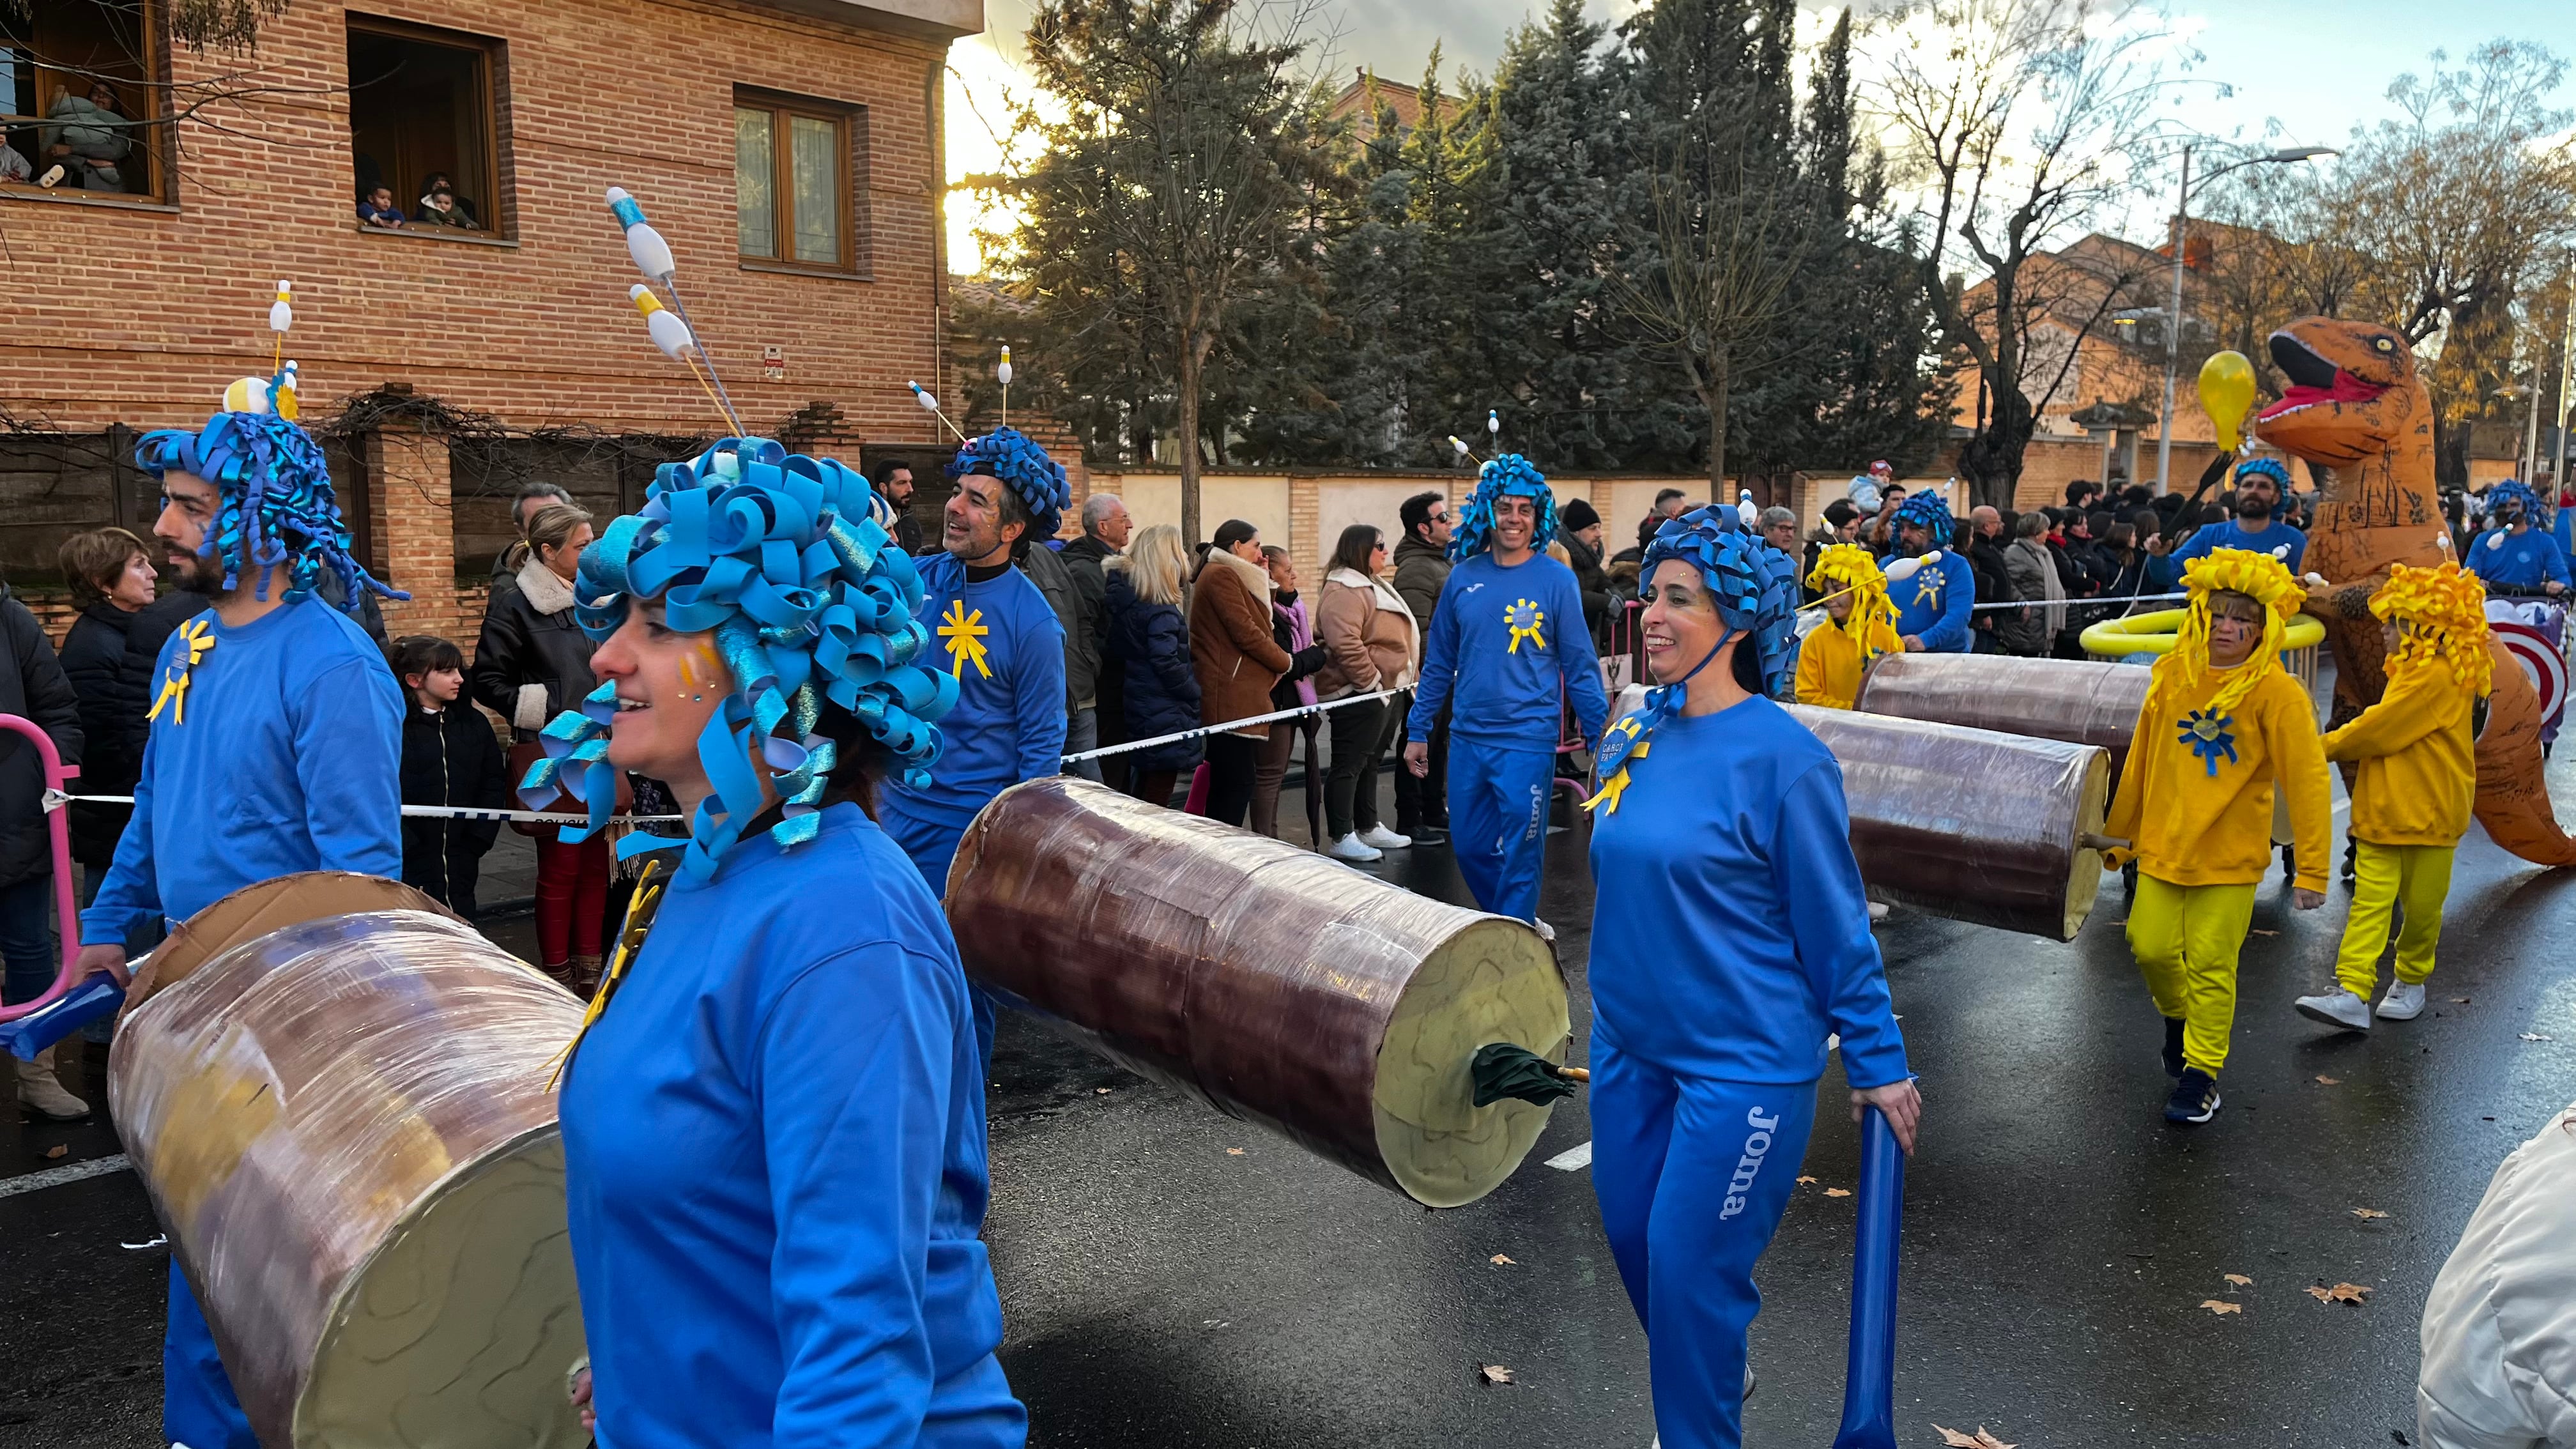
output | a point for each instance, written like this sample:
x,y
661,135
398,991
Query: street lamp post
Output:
x,y
2173,313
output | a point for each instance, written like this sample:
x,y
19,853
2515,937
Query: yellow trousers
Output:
x,y
2185,939
2388,879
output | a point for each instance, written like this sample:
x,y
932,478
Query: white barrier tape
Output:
x,y
56,799
2081,603
1229,726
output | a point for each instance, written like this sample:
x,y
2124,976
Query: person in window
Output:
x,y
440,205
90,135
14,165
378,208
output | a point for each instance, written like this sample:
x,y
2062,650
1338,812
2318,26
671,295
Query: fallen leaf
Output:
x,y
2535,1036
1806,1179
1498,1260
1102,1091
2459,1001
1953,1439
57,1150
2259,931
2339,1293
1837,1192
1494,1373
2366,1214
2239,1279
2217,1306
2329,1081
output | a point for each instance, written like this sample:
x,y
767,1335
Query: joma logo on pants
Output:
x,y
1538,813
1749,1166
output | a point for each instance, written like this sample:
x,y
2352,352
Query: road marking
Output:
x,y
1572,1159
102,1166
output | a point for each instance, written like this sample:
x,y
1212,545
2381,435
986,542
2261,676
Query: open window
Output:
x,y
424,129
796,174
79,95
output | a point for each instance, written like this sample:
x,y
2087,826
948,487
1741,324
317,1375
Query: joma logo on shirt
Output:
x,y
1748,1167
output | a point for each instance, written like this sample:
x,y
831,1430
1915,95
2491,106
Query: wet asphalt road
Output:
x,y
1163,1290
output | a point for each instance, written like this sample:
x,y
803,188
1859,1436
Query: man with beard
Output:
x,y
275,745
898,492
2260,482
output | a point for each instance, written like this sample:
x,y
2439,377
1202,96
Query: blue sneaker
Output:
x,y
2195,1099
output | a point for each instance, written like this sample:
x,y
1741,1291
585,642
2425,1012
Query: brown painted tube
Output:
x,y
1971,824
1274,984
346,1128
2081,701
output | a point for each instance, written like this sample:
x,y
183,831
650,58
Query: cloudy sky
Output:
x,y
2301,71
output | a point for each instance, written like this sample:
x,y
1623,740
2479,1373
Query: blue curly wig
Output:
x,y
779,557
1507,475
2502,498
1927,511
278,507
1755,586
1024,468
2272,468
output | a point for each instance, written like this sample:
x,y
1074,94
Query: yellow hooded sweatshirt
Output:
x,y
2193,826
2418,773
1829,664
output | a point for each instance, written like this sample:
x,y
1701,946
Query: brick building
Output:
x,y
789,149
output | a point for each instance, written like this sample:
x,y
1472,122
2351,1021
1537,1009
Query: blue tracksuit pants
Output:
x,y
932,848
1498,822
1693,1175
198,1407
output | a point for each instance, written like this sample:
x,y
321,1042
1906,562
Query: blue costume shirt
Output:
x,y
2523,561
289,758
1935,605
1731,932
1506,645
2233,534
1003,642
774,1164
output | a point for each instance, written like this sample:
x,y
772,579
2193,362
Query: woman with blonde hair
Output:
x,y
1148,642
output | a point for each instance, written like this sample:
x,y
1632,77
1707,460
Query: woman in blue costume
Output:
x,y
1729,937
773,1124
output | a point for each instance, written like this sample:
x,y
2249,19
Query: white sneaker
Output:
x,y
40,1092
1384,839
2338,1008
1546,932
1877,911
2403,1002
1352,848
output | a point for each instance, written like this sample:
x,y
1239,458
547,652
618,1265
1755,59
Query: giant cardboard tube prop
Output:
x,y
346,1126
1972,824
2080,701
1273,984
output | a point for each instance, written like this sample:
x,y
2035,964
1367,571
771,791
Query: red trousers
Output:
x,y
572,898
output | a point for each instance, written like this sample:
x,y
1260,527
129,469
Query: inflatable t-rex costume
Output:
x,y
2357,410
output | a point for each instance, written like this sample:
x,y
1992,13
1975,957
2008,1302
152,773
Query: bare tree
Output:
x,y
2023,122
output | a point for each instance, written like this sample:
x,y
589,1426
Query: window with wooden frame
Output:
x,y
424,129
82,109
796,174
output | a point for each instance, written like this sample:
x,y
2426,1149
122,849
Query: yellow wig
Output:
x,y
1849,568
2444,613
2230,570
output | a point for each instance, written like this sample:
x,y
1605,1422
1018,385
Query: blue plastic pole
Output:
x,y
1869,1384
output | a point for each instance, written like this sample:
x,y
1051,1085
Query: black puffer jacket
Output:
x,y
448,758
531,662
113,702
1150,644
32,687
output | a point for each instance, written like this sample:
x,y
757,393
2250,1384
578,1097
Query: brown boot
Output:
x,y
585,976
561,973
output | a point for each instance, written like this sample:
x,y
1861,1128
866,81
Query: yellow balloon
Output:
x,y
2227,394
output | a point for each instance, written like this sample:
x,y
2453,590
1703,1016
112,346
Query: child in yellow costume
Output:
x,y
2411,795
1831,660
2221,723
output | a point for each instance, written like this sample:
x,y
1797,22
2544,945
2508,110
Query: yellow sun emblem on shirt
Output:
x,y
1525,619
200,639
1927,588
964,633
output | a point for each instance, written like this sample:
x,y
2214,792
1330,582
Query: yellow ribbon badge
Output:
x,y
200,639
1525,618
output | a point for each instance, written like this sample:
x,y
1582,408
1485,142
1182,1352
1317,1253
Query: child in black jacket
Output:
x,y
450,756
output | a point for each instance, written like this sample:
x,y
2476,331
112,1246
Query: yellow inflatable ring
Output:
x,y
2155,633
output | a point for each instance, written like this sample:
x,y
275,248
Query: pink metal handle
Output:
x,y
57,775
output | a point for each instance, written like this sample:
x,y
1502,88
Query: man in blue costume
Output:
x,y
275,745
2514,555
2260,485
1507,648
998,637
1933,608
